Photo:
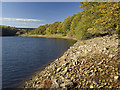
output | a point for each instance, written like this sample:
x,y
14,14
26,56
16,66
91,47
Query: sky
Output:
x,y
34,14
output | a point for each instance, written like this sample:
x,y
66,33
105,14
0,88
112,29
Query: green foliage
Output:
x,y
60,28
52,29
82,26
8,31
105,17
21,31
11,31
40,30
96,19
74,23
80,57
67,24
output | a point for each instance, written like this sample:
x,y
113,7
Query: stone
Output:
x,y
94,83
82,62
55,84
66,64
73,63
111,56
66,69
62,85
58,69
67,84
62,77
91,86
72,78
91,70
116,78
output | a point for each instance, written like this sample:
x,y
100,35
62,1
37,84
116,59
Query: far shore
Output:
x,y
50,36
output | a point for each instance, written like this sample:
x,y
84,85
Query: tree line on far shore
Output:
x,y
96,19
12,31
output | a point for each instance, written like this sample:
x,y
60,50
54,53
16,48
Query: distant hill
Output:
x,y
8,31
27,28
13,31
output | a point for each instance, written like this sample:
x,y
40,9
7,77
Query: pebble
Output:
x,y
89,64
58,69
116,78
91,86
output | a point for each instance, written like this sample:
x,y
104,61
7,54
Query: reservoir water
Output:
x,y
22,56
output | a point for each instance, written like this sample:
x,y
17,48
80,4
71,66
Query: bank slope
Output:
x,y
92,63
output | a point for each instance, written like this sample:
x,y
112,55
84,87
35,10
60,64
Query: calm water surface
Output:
x,y
21,56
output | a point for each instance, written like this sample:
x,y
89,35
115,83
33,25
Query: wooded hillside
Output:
x,y
96,19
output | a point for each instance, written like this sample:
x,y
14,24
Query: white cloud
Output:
x,y
20,19
21,22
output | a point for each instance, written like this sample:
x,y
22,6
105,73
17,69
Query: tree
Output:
x,y
74,23
106,16
67,23
60,28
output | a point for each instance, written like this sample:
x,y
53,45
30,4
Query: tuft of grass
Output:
x,y
84,42
114,49
80,57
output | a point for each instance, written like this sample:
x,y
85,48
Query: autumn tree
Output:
x,y
60,28
106,16
67,23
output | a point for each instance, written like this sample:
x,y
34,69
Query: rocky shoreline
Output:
x,y
92,63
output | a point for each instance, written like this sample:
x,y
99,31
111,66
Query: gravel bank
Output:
x,y
92,63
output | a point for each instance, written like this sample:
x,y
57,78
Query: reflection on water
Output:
x,y
21,56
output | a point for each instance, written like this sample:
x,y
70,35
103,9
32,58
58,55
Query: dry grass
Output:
x,y
46,83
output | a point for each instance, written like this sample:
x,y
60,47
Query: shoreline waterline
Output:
x,y
51,36
26,55
77,64
36,73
